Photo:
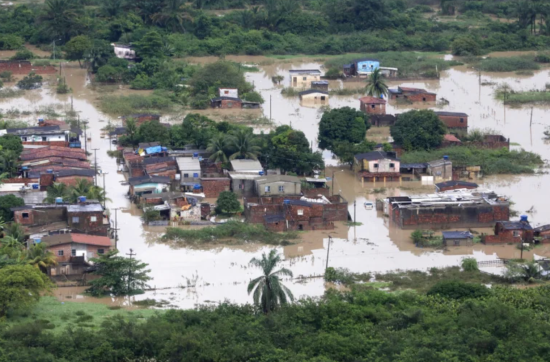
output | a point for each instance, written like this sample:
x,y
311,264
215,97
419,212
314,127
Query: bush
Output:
x,y
470,265
459,290
10,42
6,75
465,45
227,203
135,103
31,81
333,73
23,54
542,58
253,96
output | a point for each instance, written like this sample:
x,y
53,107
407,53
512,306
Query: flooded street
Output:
x,y
186,277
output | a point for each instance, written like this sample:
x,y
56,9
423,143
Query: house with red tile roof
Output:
x,y
70,245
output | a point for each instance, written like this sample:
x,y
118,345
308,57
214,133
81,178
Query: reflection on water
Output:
x,y
215,273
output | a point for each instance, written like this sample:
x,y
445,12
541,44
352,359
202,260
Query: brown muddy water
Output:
x,y
195,276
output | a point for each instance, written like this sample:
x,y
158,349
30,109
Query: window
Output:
x,y
462,120
373,106
73,252
305,78
226,92
185,175
24,139
195,175
93,218
281,188
423,99
76,219
323,98
44,139
364,66
392,165
375,165
267,189
300,212
101,251
60,253
230,104
457,242
516,233
25,215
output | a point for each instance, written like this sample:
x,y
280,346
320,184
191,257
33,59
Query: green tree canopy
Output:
x,y
150,46
76,48
152,131
227,203
418,130
7,202
21,286
221,74
342,124
118,275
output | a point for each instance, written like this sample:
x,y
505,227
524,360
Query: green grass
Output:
x,y
510,64
533,96
122,105
410,64
492,162
56,315
231,232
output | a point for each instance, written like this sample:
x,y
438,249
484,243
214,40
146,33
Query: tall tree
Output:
x,y
217,147
150,46
418,130
342,124
60,18
118,275
173,15
77,47
268,291
21,287
40,257
376,85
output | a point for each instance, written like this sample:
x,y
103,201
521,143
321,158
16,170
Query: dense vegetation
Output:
x,y
454,322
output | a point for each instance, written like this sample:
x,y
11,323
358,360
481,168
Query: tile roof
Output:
x,y
372,100
67,153
148,179
60,239
451,138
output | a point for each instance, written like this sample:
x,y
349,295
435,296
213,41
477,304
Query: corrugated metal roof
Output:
x,y
311,91
188,164
305,71
85,208
278,178
148,179
457,235
246,165
243,176
30,197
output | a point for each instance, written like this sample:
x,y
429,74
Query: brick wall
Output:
x,y
420,97
312,193
379,109
85,223
25,67
72,180
454,121
212,187
40,216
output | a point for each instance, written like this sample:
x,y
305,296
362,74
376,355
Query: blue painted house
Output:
x,y
366,66
361,67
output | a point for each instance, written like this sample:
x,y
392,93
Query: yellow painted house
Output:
x,y
302,78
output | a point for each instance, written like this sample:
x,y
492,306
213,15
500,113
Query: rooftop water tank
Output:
x,y
40,120
286,202
58,200
197,187
195,154
49,170
81,198
446,158
261,173
523,218
35,186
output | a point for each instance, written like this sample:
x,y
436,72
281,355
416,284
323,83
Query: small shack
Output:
x,y
454,185
441,170
226,102
373,105
320,85
412,94
302,78
511,232
458,238
278,185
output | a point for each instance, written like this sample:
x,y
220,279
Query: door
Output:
x,y
295,81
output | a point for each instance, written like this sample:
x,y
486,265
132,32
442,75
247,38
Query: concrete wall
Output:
x,y
315,98
47,143
303,80
40,216
243,187
384,166
289,188
367,66
85,223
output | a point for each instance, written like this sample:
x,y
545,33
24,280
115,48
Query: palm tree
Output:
x,y
11,247
376,86
81,188
61,18
39,257
269,292
242,142
15,231
172,15
216,148
54,191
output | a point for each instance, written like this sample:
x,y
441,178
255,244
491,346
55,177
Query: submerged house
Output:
x,y
377,166
412,94
361,67
302,78
124,51
441,170
511,232
458,238
455,185
314,96
278,185
456,122
372,105
320,85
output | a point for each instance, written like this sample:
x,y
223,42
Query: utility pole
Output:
x,y
104,190
109,130
354,210
116,227
130,269
270,107
95,165
531,122
328,250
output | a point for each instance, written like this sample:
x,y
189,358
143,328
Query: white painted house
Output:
x,y
124,51
39,134
229,92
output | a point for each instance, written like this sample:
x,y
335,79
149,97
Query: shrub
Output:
x,y
470,264
253,96
31,81
542,58
465,45
23,54
459,290
227,203
510,64
333,73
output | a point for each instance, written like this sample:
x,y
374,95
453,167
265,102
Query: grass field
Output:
x,y
55,315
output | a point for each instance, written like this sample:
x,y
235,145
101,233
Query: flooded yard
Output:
x,y
186,277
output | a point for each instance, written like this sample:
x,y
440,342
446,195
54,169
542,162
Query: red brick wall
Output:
x,y
420,97
25,67
234,104
18,217
454,121
280,226
85,225
311,193
378,108
214,186
72,180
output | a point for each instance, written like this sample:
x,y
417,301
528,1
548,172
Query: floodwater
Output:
x,y
189,276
